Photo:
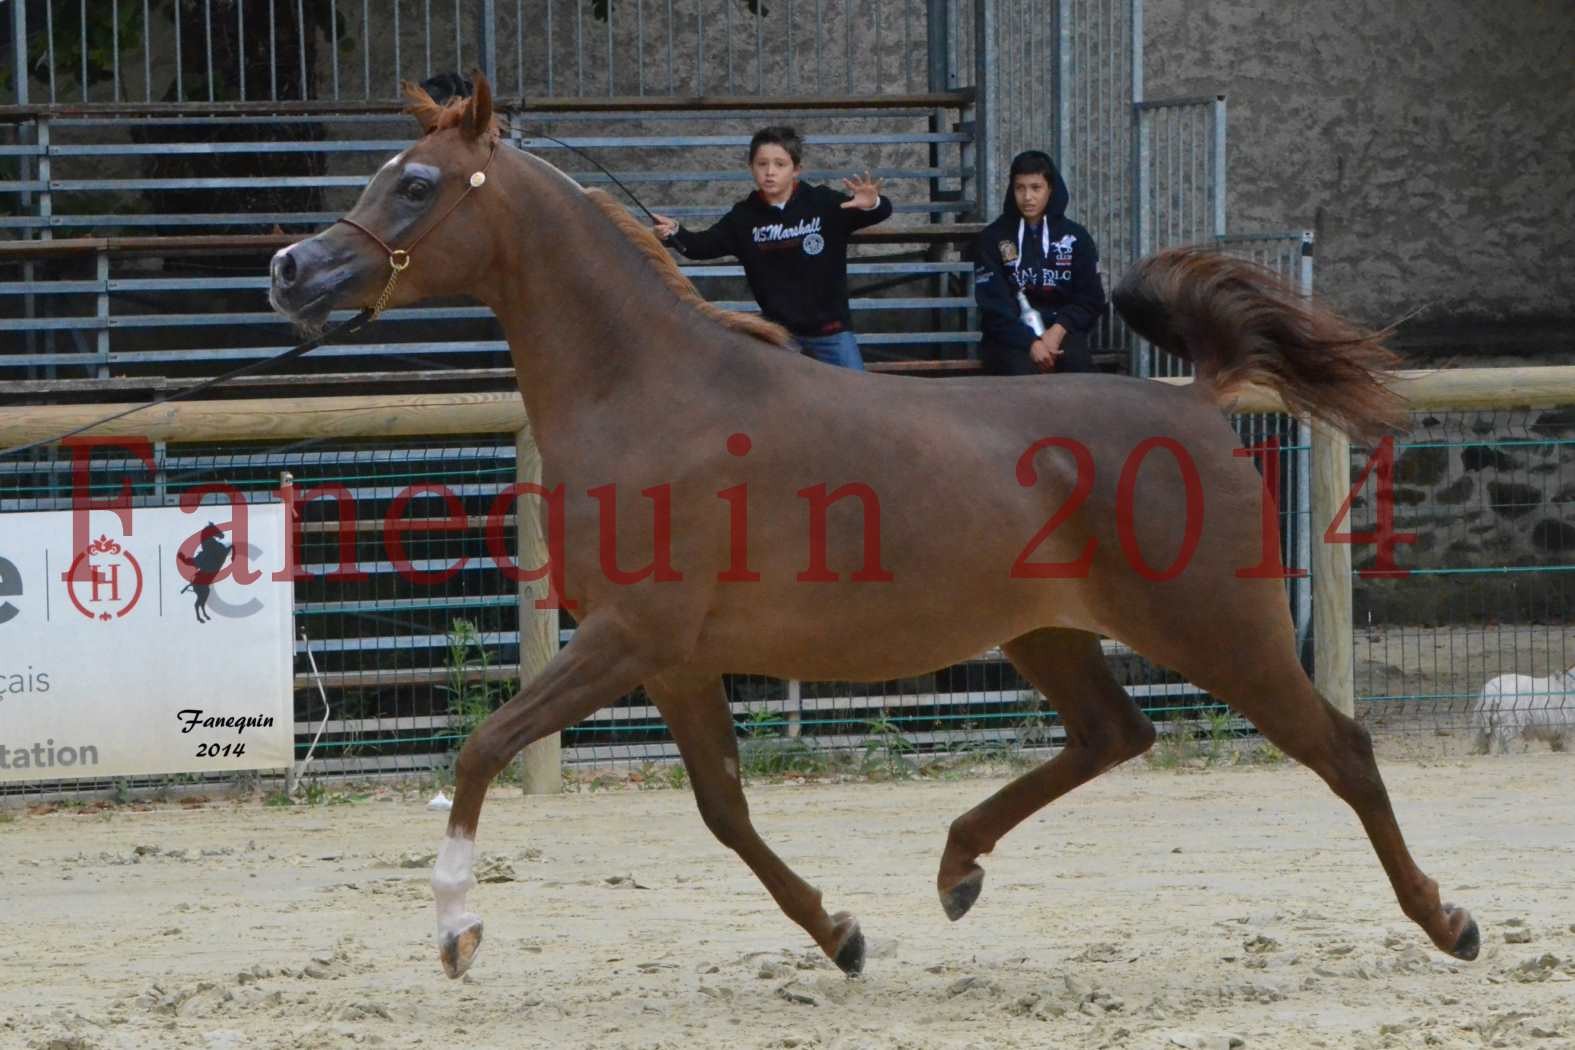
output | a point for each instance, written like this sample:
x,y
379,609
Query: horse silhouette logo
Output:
x,y
1063,248
210,559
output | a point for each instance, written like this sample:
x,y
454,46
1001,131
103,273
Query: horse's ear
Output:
x,y
478,109
419,104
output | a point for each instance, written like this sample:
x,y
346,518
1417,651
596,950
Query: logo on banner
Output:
x,y
10,587
205,566
111,582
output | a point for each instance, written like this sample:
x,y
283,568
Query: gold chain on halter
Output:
x,y
398,260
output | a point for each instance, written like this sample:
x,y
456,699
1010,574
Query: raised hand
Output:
x,y
865,192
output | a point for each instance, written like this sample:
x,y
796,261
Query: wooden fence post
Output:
x,y
541,764
1331,564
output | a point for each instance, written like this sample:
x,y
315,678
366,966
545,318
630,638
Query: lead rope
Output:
x,y
349,327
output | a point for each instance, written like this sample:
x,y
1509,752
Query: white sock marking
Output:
x,y
451,880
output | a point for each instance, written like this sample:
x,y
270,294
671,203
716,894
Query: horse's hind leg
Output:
x,y
1257,674
1103,729
695,709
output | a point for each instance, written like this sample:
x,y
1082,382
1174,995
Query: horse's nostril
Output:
x,y
287,270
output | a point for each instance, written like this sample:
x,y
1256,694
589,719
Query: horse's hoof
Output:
x,y
457,949
849,955
957,900
1469,941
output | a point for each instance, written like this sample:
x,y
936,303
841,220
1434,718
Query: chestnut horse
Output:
x,y
729,465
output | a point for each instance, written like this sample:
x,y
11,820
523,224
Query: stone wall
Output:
x,y
1483,491
1430,145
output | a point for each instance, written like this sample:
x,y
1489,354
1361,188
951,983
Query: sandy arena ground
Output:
x,y
1154,908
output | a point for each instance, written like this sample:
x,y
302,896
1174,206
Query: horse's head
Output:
x,y
422,218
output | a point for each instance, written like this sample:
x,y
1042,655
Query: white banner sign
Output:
x,y
155,648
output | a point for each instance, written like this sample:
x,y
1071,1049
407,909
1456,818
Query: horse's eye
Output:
x,y
417,189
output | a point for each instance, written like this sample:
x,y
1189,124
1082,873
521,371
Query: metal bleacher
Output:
x,y
130,274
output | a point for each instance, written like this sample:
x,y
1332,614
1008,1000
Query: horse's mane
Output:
x,y
646,243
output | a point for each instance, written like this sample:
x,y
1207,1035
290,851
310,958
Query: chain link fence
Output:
x,y
1475,638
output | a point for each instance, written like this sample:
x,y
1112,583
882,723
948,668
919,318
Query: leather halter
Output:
x,y
399,258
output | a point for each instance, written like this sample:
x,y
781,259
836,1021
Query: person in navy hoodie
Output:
x,y
792,239
1032,248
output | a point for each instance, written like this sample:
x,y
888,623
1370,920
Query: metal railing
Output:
x,y
1179,172
310,163
96,323
84,315
241,50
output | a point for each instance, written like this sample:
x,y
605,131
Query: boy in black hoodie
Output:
x,y
792,240
1035,250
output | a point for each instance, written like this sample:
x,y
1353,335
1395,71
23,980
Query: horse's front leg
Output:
x,y
694,706
600,664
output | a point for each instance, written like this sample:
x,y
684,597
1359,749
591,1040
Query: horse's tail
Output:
x,y
1239,323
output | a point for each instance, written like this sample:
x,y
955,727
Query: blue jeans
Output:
x,y
840,348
